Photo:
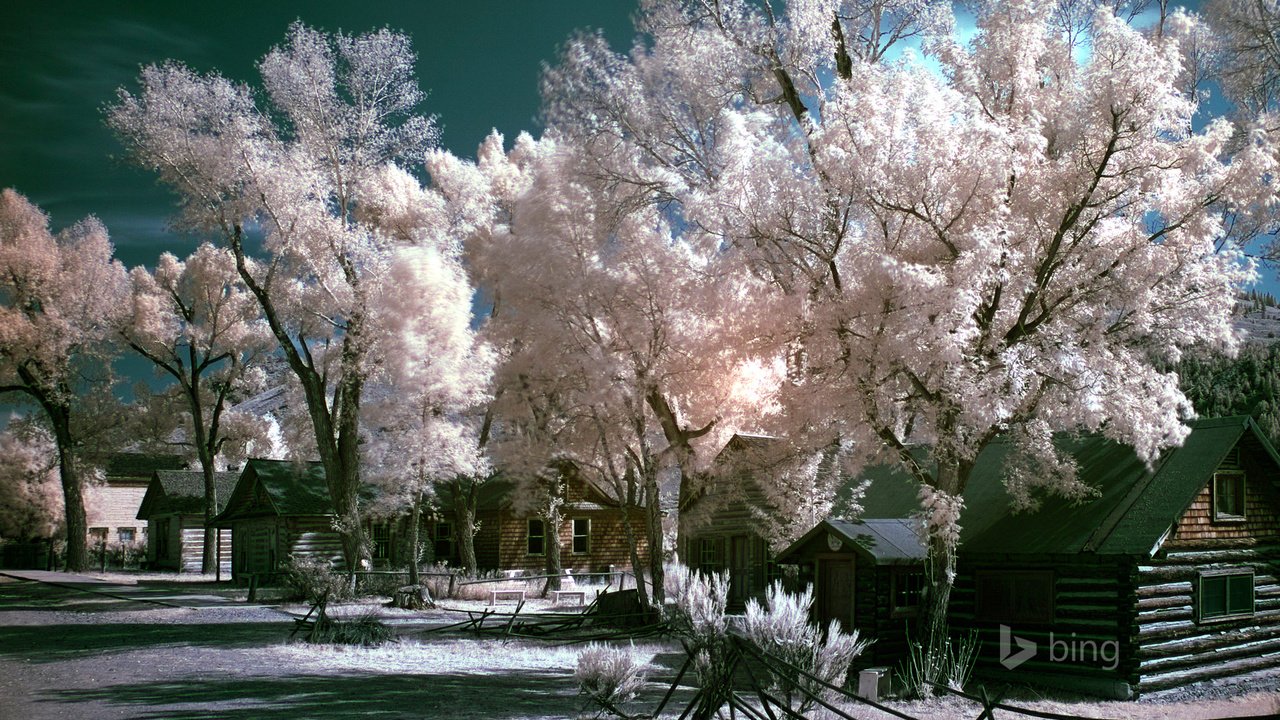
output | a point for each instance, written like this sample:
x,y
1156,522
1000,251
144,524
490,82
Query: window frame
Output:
x,y
438,536
586,536
541,537
985,610
1225,575
380,540
1241,496
133,535
896,579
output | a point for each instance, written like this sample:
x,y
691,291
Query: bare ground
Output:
x,y
111,653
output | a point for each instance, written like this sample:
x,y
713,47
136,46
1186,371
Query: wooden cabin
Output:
x,y
112,508
173,510
591,533
279,508
730,523
866,575
1166,576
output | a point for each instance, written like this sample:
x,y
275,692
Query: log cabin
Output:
x,y
719,528
282,508
1165,576
173,510
279,508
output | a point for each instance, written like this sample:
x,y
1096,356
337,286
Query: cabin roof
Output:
x,y
128,466
895,541
290,488
1134,507
181,492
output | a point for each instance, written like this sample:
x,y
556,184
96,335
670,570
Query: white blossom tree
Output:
x,y
294,165
612,327
60,300
433,373
31,505
1008,246
198,324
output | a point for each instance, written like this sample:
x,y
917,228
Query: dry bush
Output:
x,y
782,629
609,676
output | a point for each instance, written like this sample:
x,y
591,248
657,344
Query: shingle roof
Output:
x,y
1134,507
140,465
182,492
291,488
887,541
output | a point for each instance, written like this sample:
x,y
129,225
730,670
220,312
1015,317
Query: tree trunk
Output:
x,y
655,536
72,488
940,564
415,520
465,511
209,558
636,566
554,568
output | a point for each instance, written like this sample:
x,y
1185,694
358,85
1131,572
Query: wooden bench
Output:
x,y
516,596
579,597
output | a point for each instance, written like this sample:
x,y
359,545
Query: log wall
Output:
x,y
1172,647
1089,631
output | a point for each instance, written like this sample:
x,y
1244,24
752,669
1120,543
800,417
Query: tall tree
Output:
x,y
612,328
433,373
1007,246
196,322
60,298
298,162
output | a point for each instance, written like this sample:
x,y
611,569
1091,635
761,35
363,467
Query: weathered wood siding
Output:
x,y
727,518
185,543
1172,646
608,542
115,505
1261,524
312,536
193,545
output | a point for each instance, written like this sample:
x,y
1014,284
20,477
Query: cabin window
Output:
x,y
1018,596
581,535
906,590
1225,595
537,537
1228,496
97,536
443,544
709,554
380,533
127,535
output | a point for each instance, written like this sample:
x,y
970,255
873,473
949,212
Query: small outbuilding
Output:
x,y
279,508
173,509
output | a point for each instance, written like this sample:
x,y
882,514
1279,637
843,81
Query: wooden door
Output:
x,y
835,590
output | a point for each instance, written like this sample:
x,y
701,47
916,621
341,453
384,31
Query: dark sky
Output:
x,y
61,61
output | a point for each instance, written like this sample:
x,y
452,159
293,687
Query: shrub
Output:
x,y
697,615
609,677
366,630
310,579
950,665
782,629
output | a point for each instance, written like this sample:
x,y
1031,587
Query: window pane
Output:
x,y
1239,594
581,535
1228,494
1213,596
536,546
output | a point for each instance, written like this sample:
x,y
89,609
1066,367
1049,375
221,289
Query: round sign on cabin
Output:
x,y
834,542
